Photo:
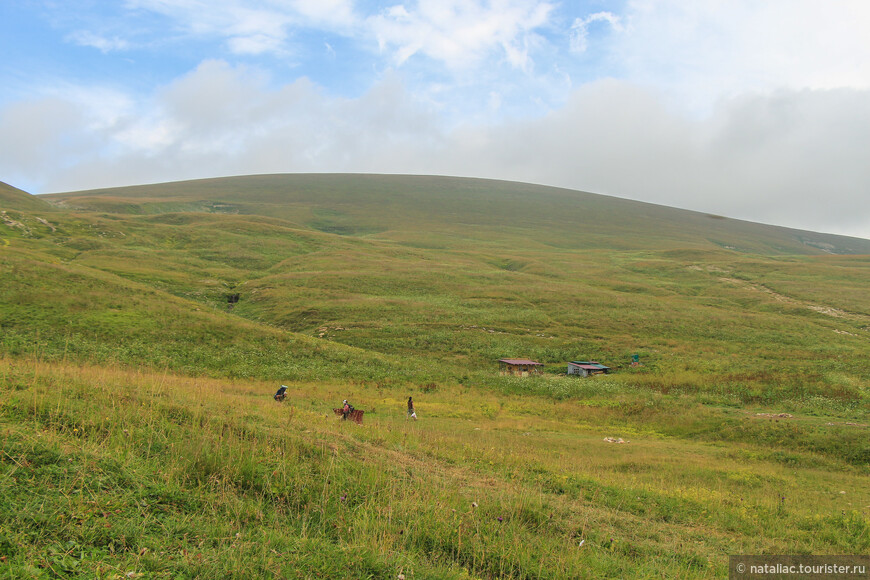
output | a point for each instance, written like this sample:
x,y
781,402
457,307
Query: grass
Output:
x,y
109,471
139,436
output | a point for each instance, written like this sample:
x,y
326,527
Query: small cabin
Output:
x,y
585,368
519,367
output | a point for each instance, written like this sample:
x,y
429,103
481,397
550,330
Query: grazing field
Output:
x,y
143,331
108,471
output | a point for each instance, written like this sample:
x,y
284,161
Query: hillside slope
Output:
x,y
61,310
12,198
443,211
443,290
143,331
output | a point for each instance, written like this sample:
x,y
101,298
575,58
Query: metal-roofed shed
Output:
x,y
584,368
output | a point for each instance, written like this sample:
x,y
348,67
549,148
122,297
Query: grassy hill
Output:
x,y
12,198
449,212
143,329
463,272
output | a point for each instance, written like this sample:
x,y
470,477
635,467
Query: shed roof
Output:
x,y
591,365
519,361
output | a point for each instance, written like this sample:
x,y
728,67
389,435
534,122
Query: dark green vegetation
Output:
x,y
385,286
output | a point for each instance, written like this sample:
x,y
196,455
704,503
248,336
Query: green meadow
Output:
x,y
143,331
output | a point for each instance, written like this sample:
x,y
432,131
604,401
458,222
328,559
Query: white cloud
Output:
x,y
218,120
461,33
52,133
101,43
33,136
337,13
698,52
579,38
252,28
795,158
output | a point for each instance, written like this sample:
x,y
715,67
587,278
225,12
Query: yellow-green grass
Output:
x,y
107,471
461,273
124,355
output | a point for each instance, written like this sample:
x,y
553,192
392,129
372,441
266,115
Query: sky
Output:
x,y
751,110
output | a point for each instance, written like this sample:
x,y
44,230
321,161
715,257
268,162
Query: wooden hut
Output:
x,y
519,367
584,368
